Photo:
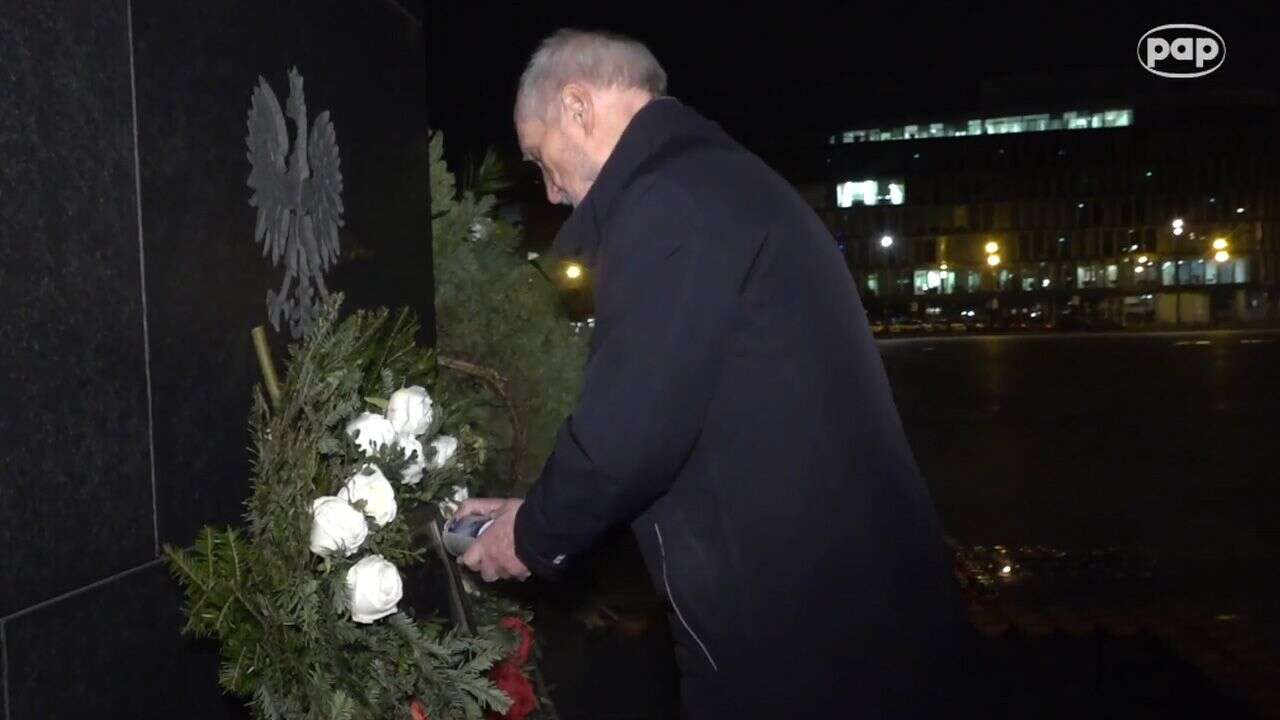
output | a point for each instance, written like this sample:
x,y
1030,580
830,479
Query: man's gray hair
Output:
x,y
599,59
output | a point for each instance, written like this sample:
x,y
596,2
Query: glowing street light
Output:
x,y
1222,256
1220,244
992,248
1139,269
886,241
1142,259
993,259
1177,226
573,271
943,266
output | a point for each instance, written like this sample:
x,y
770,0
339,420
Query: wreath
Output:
x,y
352,457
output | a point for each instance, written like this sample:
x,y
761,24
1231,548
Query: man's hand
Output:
x,y
493,554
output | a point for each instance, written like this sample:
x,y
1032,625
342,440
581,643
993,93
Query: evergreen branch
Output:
x,y
502,387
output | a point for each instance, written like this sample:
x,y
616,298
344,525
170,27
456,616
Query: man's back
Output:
x,y
797,536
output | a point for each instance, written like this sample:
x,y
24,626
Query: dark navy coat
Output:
x,y
736,413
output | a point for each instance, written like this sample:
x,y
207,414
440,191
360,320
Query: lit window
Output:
x,y
867,192
870,191
844,194
928,281
1038,122
897,193
1004,125
1117,118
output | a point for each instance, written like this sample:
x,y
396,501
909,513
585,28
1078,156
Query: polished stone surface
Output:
x,y
75,499
4,672
207,281
114,652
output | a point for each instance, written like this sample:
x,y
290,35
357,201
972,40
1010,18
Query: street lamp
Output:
x,y
1177,226
993,259
886,241
573,271
1220,246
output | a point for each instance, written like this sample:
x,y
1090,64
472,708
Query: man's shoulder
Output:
x,y
657,195
687,177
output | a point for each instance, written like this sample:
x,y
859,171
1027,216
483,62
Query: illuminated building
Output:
x,y
1080,204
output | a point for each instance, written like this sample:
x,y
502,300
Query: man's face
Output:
x,y
567,170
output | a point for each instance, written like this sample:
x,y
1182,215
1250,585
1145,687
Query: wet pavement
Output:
x,y
1126,481
1165,446
1129,480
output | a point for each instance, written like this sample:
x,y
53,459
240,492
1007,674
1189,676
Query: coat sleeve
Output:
x,y
647,386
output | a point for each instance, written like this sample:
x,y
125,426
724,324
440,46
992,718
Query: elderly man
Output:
x,y
735,412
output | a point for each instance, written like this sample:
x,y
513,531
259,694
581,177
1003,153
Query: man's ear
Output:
x,y
577,109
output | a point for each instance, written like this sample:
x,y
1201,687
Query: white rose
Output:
x,y
371,431
371,486
336,527
446,447
460,495
413,471
373,589
410,410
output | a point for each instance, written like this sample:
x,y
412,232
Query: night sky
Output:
x,y
772,73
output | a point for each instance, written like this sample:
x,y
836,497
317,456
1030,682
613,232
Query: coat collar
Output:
x,y
652,127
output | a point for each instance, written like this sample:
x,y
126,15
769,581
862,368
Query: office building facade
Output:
x,y
1154,211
